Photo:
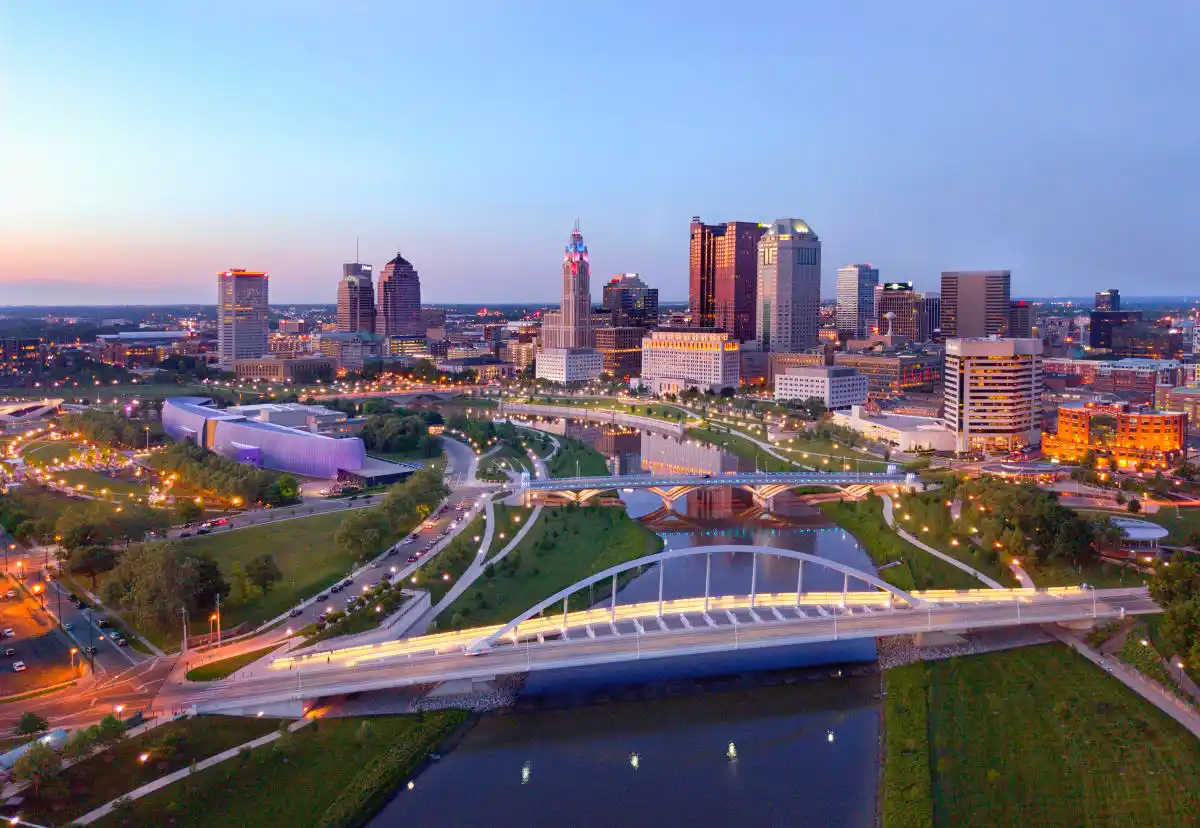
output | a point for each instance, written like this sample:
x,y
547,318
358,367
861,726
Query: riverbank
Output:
x,y
1031,736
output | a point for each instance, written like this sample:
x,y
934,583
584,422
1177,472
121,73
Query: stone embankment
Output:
x,y
897,650
503,694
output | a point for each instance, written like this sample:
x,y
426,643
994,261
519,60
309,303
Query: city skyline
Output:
x,y
132,177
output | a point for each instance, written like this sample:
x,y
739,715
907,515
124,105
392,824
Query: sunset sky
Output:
x,y
146,145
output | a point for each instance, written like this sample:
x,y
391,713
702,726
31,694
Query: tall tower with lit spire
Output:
x,y
567,354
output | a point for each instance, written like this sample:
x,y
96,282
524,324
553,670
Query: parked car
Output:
x,y
185,534
324,596
19,666
409,539
10,652
121,642
412,559
10,632
102,623
68,627
295,612
336,588
391,552
12,593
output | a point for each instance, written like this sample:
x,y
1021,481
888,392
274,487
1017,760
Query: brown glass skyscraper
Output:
x,y
399,306
723,276
975,303
356,299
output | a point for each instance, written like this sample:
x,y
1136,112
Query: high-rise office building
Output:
x,y
856,299
356,299
631,301
992,397
1020,319
929,323
1100,327
789,287
621,350
722,276
898,309
975,303
1108,300
241,315
399,306
567,353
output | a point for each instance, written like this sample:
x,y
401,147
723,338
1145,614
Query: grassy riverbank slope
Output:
x,y
1035,736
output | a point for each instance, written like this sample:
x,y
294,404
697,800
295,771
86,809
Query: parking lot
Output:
x,y
36,642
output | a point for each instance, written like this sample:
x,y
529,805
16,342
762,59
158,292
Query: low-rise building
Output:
x,y
1186,400
838,387
887,374
905,432
486,368
567,365
1117,435
676,359
315,419
350,350
285,369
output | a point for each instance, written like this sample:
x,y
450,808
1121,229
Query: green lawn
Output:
x,y
917,570
108,775
743,448
1180,525
577,458
451,561
493,466
303,549
1041,737
331,773
907,798
44,452
226,667
564,546
95,481
1103,575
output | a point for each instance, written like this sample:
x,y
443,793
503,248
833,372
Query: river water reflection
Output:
x,y
802,753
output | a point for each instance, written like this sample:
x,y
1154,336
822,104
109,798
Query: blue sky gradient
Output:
x,y
145,145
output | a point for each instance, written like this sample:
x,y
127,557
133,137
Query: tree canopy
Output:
x,y
155,581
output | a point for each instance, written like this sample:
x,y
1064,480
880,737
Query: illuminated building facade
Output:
x,y
19,355
722,276
676,359
356,299
856,299
621,350
975,303
398,312
1118,436
242,297
789,287
992,393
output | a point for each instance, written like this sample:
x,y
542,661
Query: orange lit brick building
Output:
x,y
1117,436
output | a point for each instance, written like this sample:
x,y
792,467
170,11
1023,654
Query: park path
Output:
x,y
164,781
890,518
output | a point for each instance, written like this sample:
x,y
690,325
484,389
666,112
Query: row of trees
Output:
x,y
399,434
365,531
1176,588
200,469
112,429
40,764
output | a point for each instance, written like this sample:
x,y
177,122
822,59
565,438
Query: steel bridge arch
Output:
x,y
671,554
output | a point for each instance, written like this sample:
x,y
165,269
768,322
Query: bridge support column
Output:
x,y
845,587
660,586
612,613
799,581
753,577
707,580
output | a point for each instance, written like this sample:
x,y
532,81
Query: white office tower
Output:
x,y
856,299
789,287
993,393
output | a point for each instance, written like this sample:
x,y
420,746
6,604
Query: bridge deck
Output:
x,y
666,481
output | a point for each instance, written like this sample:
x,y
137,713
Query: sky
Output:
x,y
144,146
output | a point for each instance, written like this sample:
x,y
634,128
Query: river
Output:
x,y
699,741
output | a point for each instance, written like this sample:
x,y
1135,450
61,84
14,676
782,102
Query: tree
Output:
x,y
263,572
110,730
31,723
80,745
360,534
1135,505
288,487
156,581
93,561
188,511
38,765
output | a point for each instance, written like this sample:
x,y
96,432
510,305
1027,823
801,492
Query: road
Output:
x,y
132,688
338,678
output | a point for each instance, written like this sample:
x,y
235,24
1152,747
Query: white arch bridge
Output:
x,y
764,486
551,636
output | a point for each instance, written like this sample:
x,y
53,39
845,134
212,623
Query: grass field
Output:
x,y
47,452
452,561
303,549
335,772
907,798
226,667
1040,736
112,773
95,481
917,570
564,546
1180,526
576,457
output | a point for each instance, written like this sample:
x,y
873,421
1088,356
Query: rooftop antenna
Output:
x,y
356,261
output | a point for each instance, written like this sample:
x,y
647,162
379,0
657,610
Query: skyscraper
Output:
x,y
898,309
567,353
241,315
975,303
1108,300
1100,330
722,276
356,299
992,393
856,299
399,307
1020,320
631,301
789,287
930,325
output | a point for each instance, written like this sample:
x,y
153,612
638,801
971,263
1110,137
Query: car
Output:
x,y
185,534
19,666
220,521
391,552
10,632
324,596
10,652
295,613
102,623
409,539
412,559
73,598
12,593
203,531
68,627
348,582
336,588
387,576
376,564
90,650
121,642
